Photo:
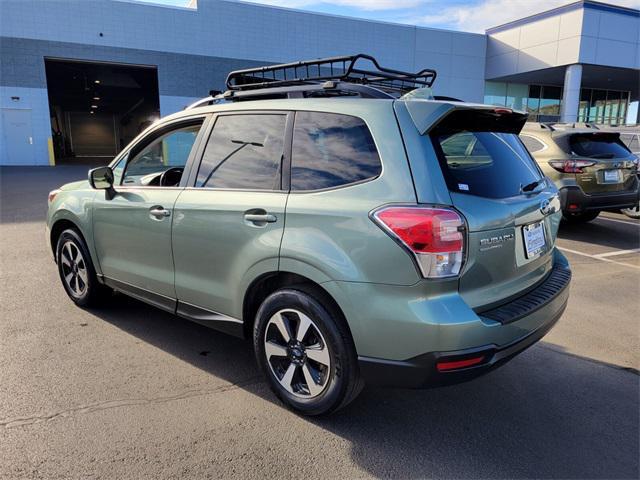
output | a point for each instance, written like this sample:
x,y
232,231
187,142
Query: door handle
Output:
x,y
159,212
260,218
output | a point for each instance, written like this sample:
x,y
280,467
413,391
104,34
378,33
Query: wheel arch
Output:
x,y
65,222
267,283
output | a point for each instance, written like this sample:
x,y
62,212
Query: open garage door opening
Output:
x,y
98,108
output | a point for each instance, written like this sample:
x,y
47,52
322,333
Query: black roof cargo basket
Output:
x,y
354,69
352,75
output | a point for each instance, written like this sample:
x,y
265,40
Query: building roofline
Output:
x,y
584,4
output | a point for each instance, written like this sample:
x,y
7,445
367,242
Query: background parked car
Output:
x,y
593,168
632,140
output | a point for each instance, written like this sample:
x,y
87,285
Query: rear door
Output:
x,y
609,163
508,204
228,224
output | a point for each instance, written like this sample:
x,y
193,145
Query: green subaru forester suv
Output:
x,y
356,229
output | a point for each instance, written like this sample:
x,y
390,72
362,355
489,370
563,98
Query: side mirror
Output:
x,y
102,178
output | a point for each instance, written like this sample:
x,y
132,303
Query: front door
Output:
x,y
228,226
132,230
18,138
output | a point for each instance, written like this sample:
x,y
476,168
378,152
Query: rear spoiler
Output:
x,y
427,115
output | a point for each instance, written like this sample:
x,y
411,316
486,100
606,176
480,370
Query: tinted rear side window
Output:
x,y
485,164
331,150
532,144
598,145
244,151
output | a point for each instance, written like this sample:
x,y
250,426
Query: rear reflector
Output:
x,y
434,236
444,366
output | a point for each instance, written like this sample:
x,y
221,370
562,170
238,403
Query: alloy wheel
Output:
x,y
297,353
74,269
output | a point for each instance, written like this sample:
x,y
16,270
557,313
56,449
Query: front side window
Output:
x,y
245,152
331,150
486,164
118,169
162,162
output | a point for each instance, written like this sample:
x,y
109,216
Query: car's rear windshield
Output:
x,y
486,164
598,145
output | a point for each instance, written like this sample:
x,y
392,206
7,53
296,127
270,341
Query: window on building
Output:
x,y
543,102
244,151
598,102
331,150
517,96
550,103
495,93
533,101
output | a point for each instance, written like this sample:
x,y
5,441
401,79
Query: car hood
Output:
x,y
77,185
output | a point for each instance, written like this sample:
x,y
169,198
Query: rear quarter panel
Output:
x,y
328,233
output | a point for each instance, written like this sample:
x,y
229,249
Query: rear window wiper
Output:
x,y
530,186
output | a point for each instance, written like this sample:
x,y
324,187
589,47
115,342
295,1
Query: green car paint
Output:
x,y
206,256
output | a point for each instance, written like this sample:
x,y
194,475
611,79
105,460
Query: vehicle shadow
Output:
x,y
603,233
544,415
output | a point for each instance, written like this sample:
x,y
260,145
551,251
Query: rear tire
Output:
x,y
580,217
77,272
306,352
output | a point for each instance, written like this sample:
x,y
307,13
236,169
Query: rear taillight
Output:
x,y
571,166
434,236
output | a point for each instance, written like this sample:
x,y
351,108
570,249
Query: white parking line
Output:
x,y
617,221
618,252
595,257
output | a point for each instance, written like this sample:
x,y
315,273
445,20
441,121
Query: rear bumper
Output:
x,y
422,371
575,196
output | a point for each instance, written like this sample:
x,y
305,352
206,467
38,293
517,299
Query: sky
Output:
x,y
463,15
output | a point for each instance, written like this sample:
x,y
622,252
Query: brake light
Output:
x,y
571,166
434,236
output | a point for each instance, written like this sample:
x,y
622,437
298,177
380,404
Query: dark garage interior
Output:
x,y
96,109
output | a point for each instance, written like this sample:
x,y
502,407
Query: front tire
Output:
x,y
306,352
580,217
76,270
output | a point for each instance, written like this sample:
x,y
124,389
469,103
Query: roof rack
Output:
x,y
353,75
349,69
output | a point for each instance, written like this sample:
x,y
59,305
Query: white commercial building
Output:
x,y
79,79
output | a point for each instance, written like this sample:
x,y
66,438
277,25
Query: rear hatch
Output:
x,y
606,164
510,208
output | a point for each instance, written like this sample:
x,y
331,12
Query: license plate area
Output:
x,y
611,176
535,241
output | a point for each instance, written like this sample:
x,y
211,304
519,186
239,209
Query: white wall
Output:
x,y
584,35
252,32
610,39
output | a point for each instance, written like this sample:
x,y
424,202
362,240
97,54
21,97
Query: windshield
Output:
x,y
598,145
486,164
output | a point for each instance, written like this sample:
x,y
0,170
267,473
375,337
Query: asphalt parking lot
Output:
x,y
131,392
